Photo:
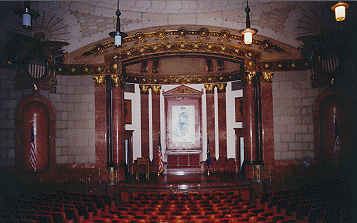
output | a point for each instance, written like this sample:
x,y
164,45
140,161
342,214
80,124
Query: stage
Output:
x,y
184,183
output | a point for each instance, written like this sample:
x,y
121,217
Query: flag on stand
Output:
x,y
337,141
208,162
33,158
161,162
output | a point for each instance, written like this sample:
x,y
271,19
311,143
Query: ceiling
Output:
x,y
84,22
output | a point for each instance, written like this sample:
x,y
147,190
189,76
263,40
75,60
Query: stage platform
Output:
x,y
184,183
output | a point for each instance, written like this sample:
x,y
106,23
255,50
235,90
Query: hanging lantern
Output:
x,y
340,11
248,32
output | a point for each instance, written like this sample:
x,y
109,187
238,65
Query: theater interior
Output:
x,y
168,111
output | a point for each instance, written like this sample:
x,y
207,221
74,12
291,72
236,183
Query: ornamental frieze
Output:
x,y
184,47
184,34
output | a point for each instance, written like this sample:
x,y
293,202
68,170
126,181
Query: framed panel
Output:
x,y
172,160
183,160
183,124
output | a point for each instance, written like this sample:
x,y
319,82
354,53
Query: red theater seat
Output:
x,y
58,217
240,219
220,220
201,220
121,221
45,219
27,221
179,221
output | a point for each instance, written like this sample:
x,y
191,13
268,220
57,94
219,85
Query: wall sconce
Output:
x,y
248,32
117,35
340,11
27,14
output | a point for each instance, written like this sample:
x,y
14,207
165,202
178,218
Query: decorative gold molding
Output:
x,y
267,76
183,33
248,78
182,91
101,80
144,89
221,87
185,47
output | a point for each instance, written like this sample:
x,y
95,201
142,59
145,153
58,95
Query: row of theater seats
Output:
x,y
67,207
308,205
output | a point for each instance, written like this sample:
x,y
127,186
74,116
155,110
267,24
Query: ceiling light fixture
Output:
x,y
248,32
117,35
340,11
27,14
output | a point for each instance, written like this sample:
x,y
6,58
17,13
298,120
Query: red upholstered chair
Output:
x,y
266,221
140,220
121,221
248,215
102,220
275,217
27,221
72,214
17,216
126,217
286,221
59,217
111,216
177,216
239,211
257,218
44,212
201,220
255,210
179,221
196,217
159,221
220,220
45,219
10,220
92,207
240,219
31,216
214,216
232,215
265,214
161,217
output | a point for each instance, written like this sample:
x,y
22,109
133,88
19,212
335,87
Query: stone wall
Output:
x,y
75,113
293,99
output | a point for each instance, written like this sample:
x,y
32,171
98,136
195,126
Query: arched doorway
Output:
x,y
333,121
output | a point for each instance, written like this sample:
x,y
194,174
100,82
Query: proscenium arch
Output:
x,y
247,59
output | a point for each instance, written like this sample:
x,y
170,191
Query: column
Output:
x,y
118,125
249,123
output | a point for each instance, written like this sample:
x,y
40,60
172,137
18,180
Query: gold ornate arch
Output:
x,y
220,45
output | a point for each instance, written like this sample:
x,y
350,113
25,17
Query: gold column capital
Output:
x,y
267,76
249,76
99,80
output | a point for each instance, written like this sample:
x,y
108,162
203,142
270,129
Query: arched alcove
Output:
x,y
333,109
35,115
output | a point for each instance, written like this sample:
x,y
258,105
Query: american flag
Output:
x,y
208,162
33,158
337,141
161,162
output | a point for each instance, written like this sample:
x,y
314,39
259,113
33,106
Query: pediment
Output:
x,y
181,91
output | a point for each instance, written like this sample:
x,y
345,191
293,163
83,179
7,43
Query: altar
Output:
x,y
183,161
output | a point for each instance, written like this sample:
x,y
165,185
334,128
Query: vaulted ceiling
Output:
x,y
84,22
